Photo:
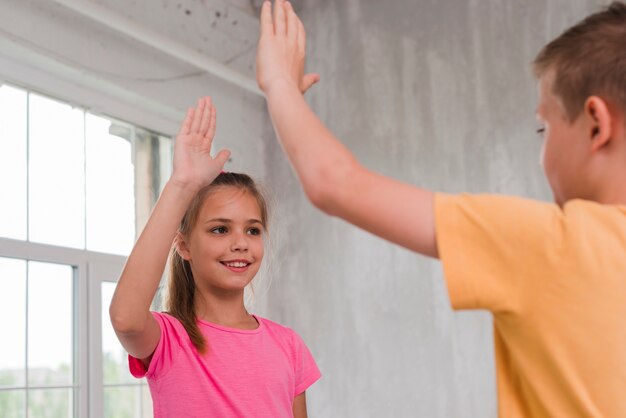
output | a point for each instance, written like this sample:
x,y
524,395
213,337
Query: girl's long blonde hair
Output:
x,y
179,299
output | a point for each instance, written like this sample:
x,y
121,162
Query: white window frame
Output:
x,y
91,269
87,320
99,271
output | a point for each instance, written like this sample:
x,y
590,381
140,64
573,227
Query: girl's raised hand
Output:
x,y
281,50
193,164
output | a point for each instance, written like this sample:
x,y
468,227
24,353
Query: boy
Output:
x,y
553,275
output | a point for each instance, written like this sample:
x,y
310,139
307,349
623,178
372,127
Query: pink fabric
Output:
x,y
245,373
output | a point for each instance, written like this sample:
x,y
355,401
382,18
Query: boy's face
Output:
x,y
564,153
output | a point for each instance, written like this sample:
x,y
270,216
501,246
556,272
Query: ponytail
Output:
x,y
180,299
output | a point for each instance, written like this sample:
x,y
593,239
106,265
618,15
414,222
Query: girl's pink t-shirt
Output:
x,y
244,373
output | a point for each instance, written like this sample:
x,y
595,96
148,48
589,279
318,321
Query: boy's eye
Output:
x,y
219,230
254,231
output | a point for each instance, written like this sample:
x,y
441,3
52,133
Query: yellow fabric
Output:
x,y
555,281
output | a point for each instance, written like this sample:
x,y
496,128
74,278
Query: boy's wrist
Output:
x,y
279,85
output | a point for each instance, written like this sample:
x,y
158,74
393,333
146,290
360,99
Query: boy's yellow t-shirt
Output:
x,y
555,280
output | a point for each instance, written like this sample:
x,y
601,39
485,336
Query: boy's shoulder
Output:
x,y
502,203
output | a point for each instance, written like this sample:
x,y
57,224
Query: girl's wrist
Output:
x,y
185,188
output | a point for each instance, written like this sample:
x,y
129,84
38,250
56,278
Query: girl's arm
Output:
x,y
299,406
332,179
130,315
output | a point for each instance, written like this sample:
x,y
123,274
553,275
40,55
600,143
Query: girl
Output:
x,y
207,356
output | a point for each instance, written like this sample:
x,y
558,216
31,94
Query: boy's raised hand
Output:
x,y
281,50
193,164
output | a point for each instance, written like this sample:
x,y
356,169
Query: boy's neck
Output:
x,y
608,193
609,185
613,197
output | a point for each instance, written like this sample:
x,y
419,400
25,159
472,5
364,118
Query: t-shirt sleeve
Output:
x,y
164,353
306,370
494,249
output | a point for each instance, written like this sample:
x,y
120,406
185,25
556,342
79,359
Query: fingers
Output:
x,y
292,23
267,25
184,128
200,120
282,46
206,116
301,36
197,117
222,157
280,23
308,81
212,123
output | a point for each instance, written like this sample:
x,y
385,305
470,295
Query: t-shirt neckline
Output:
x,y
231,329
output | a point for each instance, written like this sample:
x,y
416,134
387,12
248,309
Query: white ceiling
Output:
x,y
56,48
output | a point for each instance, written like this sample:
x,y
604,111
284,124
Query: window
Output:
x,y
56,173
13,131
75,179
37,368
124,396
76,187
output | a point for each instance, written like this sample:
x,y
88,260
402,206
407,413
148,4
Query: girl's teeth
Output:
x,y
236,264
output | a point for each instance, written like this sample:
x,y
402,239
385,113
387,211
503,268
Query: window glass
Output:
x,y
114,357
13,324
68,178
110,187
122,402
124,395
36,300
12,403
146,402
13,162
74,179
56,173
50,324
50,403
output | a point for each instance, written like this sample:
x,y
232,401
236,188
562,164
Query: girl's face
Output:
x,y
225,246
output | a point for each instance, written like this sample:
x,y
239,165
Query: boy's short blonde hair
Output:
x,y
588,59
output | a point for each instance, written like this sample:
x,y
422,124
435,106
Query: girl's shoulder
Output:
x,y
166,317
273,326
171,327
297,351
279,331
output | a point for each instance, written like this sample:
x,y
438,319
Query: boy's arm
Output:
x,y
194,167
332,179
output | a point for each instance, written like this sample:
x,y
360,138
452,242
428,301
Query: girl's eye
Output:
x,y
540,131
219,230
254,231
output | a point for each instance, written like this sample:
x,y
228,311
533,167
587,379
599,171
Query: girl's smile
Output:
x,y
237,266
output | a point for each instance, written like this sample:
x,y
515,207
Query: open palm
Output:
x,y
193,164
281,50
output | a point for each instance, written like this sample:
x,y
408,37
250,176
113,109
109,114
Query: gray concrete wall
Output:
x,y
438,94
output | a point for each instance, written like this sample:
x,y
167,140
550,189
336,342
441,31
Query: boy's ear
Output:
x,y
181,246
600,119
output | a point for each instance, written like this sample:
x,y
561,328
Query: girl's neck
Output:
x,y
226,310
